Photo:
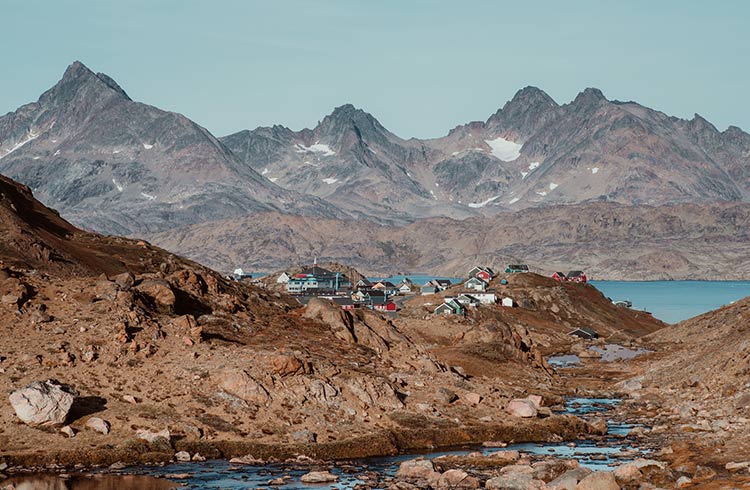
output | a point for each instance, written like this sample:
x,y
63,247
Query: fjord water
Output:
x,y
674,301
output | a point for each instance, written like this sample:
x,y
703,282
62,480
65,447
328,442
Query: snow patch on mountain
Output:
x,y
504,150
148,196
514,200
317,148
31,136
595,170
552,186
147,146
330,180
117,185
483,203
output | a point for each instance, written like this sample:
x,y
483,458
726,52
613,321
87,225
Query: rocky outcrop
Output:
x,y
43,403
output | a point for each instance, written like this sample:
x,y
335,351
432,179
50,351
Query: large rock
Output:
x,y
287,365
598,480
319,477
569,479
417,469
457,479
98,424
514,481
521,408
240,384
160,292
43,403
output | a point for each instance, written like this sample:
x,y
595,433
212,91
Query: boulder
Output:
x,y
514,481
732,466
124,281
287,365
509,456
472,398
569,479
599,425
521,408
240,384
627,473
152,436
417,469
630,385
43,403
683,482
598,480
536,400
68,431
319,477
457,479
98,424
247,459
160,292
182,456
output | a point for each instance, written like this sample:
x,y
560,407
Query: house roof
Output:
x,y
443,282
575,273
343,301
586,330
518,266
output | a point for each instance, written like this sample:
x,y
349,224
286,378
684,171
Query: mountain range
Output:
x,y
114,165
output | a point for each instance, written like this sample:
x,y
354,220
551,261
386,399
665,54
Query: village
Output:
x,y
474,290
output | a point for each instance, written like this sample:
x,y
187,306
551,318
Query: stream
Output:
x,y
221,474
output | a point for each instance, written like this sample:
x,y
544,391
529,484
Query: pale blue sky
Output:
x,y
421,67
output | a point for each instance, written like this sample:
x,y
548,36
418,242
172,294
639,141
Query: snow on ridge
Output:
x,y
330,180
148,196
264,172
317,148
504,150
147,146
542,193
524,174
552,186
273,179
533,166
31,136
514,200
118,186
594,170
483,203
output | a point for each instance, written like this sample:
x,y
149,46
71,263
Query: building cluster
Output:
x,y
318,282
476,291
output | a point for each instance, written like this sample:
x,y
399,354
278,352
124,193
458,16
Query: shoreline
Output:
x,y
388,442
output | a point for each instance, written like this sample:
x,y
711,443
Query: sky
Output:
x,y
420,67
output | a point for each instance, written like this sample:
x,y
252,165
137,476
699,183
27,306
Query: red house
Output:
x,y
559,276
484,275
389,306
577,276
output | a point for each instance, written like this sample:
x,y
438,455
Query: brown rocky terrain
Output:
x,y
607,240
699,384
166,355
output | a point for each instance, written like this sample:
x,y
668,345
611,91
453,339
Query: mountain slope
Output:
x,y
608,240
115,165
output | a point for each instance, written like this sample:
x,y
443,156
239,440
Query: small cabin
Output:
x,y
507,302
576,276
585,333
450,307
467,300
559,276
476,284
516,268
484,273
429,288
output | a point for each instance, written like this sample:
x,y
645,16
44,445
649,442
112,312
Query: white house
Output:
x,y
485,298
283,278
507,302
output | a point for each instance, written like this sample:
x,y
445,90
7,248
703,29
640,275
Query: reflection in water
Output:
x,y
87,482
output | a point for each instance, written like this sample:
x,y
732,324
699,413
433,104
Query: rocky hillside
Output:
x,y
151,353
115,165
699,384
608,240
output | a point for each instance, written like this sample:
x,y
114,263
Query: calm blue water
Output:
x,y
674,301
